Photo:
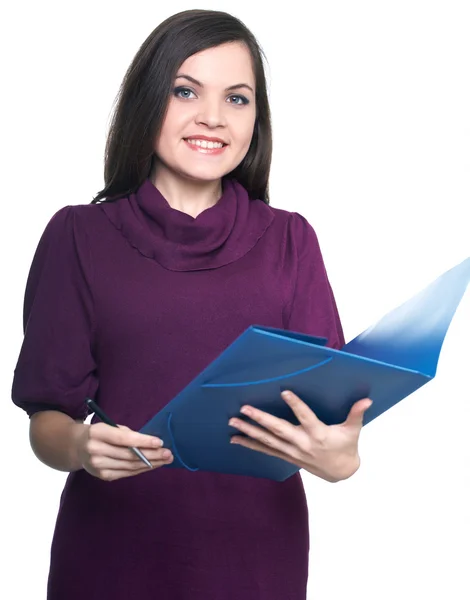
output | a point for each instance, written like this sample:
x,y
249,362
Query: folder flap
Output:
x,y
248,378
411,336
262,356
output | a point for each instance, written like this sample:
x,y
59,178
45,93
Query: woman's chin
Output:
x,y
203,175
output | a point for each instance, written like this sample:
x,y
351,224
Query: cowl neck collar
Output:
x,y
219,235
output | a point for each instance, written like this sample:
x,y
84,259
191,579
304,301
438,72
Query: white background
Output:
x,y
371,115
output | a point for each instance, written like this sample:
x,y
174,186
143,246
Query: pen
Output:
x,y
104,417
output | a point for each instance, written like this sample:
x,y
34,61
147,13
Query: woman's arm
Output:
x,y
65,444
55,437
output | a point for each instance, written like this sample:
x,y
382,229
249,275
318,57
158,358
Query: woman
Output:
x,y
131,296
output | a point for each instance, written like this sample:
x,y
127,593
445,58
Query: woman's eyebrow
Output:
x,y
230,88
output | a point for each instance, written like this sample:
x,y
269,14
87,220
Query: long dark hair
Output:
x,y
143,97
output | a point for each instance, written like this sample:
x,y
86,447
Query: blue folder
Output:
x,y
386,363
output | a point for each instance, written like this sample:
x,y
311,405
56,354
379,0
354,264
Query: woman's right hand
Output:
x,y
104,451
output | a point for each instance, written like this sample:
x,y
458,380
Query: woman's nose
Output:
x,y
211,113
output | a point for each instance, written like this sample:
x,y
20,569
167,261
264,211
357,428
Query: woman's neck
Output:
x,y
189,196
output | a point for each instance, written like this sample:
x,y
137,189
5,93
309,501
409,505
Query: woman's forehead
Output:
x,y
220,65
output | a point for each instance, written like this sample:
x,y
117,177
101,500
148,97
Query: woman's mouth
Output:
x,y
205,147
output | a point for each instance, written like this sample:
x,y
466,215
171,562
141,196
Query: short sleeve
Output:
x,y
313,308
56,369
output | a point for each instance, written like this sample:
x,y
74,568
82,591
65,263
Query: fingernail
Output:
x,y
158,443
286,395
166,454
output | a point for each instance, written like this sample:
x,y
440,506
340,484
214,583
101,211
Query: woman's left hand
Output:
x,y
328,451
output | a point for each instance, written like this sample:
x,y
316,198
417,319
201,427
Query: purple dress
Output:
x,y
127,302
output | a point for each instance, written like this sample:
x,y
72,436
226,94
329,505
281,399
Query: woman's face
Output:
x,y
213,97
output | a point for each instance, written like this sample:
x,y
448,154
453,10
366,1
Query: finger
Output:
x,y
100,464
305,415
355,417
123,436
153,455
141,440
99,448
279,427
263,436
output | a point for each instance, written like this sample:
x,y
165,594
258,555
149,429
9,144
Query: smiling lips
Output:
x,y
204,146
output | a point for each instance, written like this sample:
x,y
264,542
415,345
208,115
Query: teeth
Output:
x,y
205,144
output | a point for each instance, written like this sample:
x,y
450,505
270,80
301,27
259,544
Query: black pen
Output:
x,y
104,417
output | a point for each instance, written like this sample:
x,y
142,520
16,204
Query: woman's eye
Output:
x,y
182,90
242,99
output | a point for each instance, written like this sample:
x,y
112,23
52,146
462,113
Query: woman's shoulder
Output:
x,y
69,234
298,229
74,220
76,212
292,219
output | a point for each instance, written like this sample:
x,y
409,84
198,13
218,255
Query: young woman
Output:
x,y
131,296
